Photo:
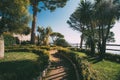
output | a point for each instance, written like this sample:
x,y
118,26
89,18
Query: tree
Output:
x,y
97,18
47,35
55,36
83,20
62,42
44,34
9,39
39,5
14,16
75,23
107,12
40,35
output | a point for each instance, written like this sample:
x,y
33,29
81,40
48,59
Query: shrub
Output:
x,y
9,40
25,42
62,42
112,57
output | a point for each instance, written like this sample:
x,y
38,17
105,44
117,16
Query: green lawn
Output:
x,y
20,66
107,70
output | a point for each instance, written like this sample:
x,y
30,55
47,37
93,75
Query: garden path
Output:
x,y
60,68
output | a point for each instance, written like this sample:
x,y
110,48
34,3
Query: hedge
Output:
x,y
112,57
84,67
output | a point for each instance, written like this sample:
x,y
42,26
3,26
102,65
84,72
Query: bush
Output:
x,y
25,42
62,42
112,57
9,40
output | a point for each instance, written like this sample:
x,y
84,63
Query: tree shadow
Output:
x,y
94,59
19,70
63,63
118,76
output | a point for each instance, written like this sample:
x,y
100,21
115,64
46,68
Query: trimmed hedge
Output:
x,y
85,69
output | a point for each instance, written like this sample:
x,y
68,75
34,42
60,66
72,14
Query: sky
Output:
x,y
57,21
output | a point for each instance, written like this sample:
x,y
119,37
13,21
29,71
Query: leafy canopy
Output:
x,y
14,15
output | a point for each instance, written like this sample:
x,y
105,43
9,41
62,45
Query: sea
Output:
x,y
115,49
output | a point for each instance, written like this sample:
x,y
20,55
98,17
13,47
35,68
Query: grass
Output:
x,y
81,54
17,56
107,70
20,66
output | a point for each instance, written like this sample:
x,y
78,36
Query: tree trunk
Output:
x,y
33,31
1,46
81,42
103,49
104,39
92,47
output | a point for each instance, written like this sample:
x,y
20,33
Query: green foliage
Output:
x,y
112,57
55,36
107,70
25,42
14,15
50,5
94,21
9,40
43,36
62,42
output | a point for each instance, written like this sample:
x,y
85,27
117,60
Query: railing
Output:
x,y
77,45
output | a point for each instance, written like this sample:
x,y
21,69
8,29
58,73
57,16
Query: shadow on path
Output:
x,y
60,69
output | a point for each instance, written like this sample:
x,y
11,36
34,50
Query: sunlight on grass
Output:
x,y
107,70
16,56
20,66
81,54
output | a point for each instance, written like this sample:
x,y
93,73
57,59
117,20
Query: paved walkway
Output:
x,y
60,68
